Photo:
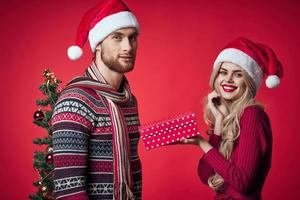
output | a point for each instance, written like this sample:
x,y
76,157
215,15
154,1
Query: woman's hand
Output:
x,y
199,141
218,110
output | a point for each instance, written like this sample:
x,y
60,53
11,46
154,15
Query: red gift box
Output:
x,y
164,132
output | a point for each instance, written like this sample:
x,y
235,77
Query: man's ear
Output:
x,y
98,48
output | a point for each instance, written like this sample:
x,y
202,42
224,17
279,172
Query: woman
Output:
x,y
237,157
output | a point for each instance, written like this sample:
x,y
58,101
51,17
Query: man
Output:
x,y
95,121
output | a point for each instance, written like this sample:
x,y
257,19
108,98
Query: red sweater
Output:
x,y
246,171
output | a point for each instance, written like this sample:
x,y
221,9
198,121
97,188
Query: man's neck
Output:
x,y
113,78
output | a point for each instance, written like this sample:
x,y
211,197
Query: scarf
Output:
x,y
121,146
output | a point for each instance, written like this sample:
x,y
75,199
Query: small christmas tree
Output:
x,y
43,159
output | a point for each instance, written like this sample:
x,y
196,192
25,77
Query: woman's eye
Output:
x,y
239,75
222,72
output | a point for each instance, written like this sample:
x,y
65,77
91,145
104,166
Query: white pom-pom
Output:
x,y
74,52
272,81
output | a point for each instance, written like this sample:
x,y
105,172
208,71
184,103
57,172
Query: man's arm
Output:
x,y
72,121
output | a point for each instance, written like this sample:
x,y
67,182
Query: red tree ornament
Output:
x,y
49,158
38,115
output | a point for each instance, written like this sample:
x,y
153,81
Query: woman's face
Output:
x,y
230,81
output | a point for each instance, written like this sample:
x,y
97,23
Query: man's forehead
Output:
x,y
125,31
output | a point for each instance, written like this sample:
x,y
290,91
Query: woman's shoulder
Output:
x,y
255,122
254,112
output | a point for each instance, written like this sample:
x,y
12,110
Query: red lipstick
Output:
x,y
229,88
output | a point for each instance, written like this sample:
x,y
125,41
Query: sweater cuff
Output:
x,y
78,196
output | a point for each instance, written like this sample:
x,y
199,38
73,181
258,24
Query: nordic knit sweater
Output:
x,y
246,171
83,146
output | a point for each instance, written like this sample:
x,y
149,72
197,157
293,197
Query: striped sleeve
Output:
x,y
72,121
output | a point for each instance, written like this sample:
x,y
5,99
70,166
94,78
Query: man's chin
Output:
x,y
124,69
120,67
127,67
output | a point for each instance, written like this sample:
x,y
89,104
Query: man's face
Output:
x,y
118,50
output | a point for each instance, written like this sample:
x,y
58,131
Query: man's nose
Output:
x,y
126,45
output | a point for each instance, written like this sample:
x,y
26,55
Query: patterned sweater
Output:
x,y
83,145
250,162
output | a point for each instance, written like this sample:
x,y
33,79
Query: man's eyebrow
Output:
x,y
122,34
117,33
134,34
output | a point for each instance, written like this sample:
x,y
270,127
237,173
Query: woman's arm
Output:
x,y
252,145
204,169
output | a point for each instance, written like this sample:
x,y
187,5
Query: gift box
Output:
x,y
168,131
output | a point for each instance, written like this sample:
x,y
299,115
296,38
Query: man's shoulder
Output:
x,y
72,92
79,94
80,100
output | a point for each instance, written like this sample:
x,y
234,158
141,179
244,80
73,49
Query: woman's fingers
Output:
x,y
194,140
213,108
217,110
212,95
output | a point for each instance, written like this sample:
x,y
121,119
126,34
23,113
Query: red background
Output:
x,y
177,46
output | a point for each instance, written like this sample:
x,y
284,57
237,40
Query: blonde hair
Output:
x,y
230,130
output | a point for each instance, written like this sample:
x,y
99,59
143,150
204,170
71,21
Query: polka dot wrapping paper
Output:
x,y
171,130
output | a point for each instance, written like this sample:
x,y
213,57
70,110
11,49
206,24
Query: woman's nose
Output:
x,y
229,77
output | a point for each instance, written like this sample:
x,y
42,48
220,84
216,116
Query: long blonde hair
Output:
x,y
230,130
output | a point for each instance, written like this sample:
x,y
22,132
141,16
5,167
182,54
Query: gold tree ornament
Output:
x,y
48,74
50,77
49,149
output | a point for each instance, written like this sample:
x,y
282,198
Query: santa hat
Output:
x,y
105,18
256,59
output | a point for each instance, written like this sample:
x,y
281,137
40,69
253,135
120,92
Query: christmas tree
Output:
x,y
43,159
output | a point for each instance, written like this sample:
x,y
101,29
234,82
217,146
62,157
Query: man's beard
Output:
x,y
115,65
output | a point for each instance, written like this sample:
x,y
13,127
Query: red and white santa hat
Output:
x,y
258,60
105,18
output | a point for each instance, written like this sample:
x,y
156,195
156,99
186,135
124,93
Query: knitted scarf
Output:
x,y
121,147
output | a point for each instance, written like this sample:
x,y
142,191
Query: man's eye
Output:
x,y
132,38
116,37
222,72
